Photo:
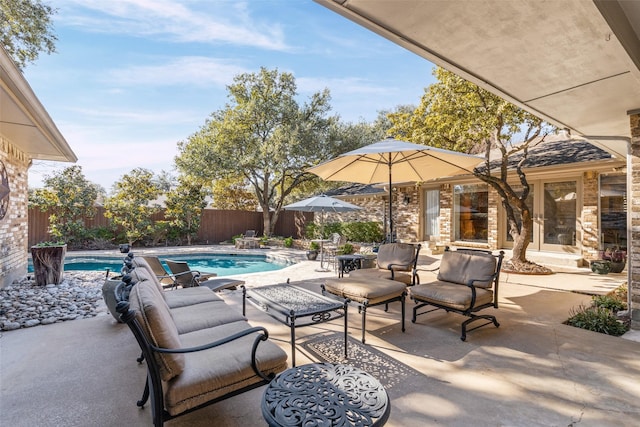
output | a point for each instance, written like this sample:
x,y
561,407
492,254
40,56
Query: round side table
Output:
x,y
325,394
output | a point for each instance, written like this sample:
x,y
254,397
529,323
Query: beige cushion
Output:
x,y
400,254
221,370
374,273
178,297
206,315
153,315
142,267
452,295
374,290
461,267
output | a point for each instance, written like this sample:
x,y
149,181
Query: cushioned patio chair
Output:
x,y
183,274
467,283
396,261
164,277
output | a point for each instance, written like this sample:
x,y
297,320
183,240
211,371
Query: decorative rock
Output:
x,y
24,304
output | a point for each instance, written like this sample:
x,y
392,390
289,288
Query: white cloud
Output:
x,y
349,85
214,22
190,70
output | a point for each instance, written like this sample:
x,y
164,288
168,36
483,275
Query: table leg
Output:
x,y
345,329
293,341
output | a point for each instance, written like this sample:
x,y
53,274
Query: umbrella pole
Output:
x,y
391,239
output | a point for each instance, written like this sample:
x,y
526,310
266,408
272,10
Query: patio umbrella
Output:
x,y
391,161
321,204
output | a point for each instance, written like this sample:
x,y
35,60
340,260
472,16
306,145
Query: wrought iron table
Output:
x,y
295,307
324,394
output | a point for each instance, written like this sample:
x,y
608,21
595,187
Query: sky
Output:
x,y
131,78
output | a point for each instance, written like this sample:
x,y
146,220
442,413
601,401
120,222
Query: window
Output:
x,y
470,212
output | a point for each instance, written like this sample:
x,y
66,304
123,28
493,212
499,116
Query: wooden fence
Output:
x,y
216,225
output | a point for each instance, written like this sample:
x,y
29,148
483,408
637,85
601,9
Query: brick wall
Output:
x,y
634,211
13,227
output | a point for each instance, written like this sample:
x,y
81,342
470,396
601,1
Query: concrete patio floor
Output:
x,y
532,371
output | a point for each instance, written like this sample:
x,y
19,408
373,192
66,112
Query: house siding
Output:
x,y
13,227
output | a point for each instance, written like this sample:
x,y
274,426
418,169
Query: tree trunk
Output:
x,y
521,243
266,222
48,264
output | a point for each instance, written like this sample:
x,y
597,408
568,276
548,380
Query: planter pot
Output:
x,y
109,296
312,255
48,264
601,266
617,267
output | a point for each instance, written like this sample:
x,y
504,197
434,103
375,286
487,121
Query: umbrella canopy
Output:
x,y
321,203
391,161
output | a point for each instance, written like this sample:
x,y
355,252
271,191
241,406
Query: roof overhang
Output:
x,y
24,121
574,63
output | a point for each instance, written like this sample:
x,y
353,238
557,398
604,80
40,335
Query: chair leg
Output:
x,y
490,318
145,395
364,319
403,313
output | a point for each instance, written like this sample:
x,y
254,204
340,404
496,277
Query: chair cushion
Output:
x,y
206,315
155,319
375,291
221,370
181,297
375,273
401,254
452,295
461,267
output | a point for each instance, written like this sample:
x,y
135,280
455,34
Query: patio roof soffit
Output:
x,y
574,63
24,122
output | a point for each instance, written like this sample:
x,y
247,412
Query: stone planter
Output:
x,y
48,264
312,255
601,266
109,295
617,267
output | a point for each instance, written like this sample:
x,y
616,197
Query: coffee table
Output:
x,y
296,307
324,394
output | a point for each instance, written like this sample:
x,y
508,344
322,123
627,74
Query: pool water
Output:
x,y
222,265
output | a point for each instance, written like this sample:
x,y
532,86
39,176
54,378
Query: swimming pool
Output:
x,y
221,264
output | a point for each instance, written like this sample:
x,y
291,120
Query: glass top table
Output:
x,y
295,307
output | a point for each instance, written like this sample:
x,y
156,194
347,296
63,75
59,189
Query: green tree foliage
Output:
x,y
70,198
458,115
26,29
264,135
165,180
184,206
232,193
129,205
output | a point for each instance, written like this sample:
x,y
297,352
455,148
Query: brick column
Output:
x,y
590,231
634,212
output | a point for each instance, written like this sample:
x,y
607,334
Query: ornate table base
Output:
x,y
324,394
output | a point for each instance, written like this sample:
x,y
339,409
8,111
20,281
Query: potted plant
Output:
x,y
312,253
617,259
48,262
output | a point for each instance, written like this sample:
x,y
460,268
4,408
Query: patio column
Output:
x,y
634,214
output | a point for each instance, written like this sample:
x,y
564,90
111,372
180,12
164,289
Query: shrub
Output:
x,y
345,249
596,319
288,242
314,246
609,302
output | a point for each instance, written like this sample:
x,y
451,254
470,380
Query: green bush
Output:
x,y
288,242
609,302
346,249
358,231
596,319
314,246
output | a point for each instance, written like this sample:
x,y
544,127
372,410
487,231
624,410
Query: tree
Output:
x,y
264,136
164,180
26,29
458,115
70,198
184,206
129,206
232,193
